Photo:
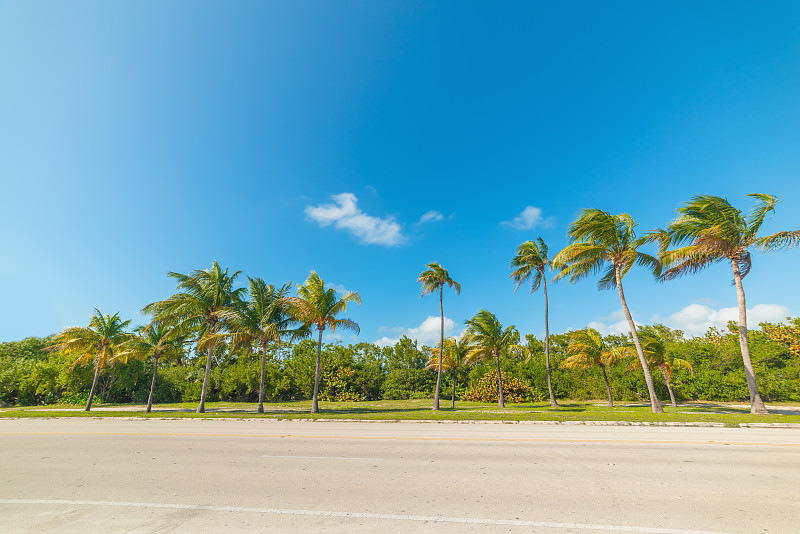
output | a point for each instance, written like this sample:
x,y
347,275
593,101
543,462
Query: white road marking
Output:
x,y
365,515
316,457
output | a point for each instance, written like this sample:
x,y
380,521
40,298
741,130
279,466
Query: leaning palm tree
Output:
x,y
433,279
586,349
263,319
656,354
487,338
602,241
530,262
197,310
317,306
719,232
158,340
95,343
454,356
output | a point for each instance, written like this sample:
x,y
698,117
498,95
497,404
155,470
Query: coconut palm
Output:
x,y
530,262
159,340
454,356
197,310
263,319
587,349
600,241
718,232
433,279
317,306
656,354
95,343
486,339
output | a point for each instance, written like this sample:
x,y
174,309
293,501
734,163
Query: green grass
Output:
x,y
728,414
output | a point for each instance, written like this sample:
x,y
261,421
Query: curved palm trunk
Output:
x,y
315,402
547,347
608,388
441,350
94,385
756,404
263,372
152,384
453,405
645,368
669,388
500,402
201,408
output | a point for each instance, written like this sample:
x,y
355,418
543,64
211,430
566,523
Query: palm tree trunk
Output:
x,y
453,405
201,408
547,347
263,371
500,402
94,385
651,391
669,388
608,388
315,402
756,404
152,384
441,350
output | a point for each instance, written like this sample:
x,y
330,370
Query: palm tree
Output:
x,y
656,355
530,263
719,232
159,340
586,349
96,343
263,319
434,278
598,241
197,309
487,338
454,356
317,306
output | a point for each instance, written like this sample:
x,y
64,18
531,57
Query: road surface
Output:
x,y
186,475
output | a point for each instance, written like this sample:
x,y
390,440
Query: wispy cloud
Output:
x,y
427,333
431,216
613,323
696,319
344,214
531,217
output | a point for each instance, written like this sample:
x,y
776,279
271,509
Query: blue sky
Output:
x,y
279,137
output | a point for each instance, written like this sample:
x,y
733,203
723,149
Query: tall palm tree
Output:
x,y
197,309
159,340
719,232
487,338
586,349
656,354
263,319
317,306
454,356
602,241
530,262
433,279
95,343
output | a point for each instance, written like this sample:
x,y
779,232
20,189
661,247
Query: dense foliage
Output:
x,y
30,374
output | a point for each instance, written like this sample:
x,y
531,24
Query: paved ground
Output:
x,y
111,475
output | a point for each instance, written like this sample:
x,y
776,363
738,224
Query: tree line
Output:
x,y
209,313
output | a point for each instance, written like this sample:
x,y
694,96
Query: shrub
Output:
x,y
485,389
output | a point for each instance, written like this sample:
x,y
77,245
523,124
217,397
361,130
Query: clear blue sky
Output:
x,y
140,138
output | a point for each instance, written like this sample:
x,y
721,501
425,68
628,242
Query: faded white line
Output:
x,y
365,515
317,457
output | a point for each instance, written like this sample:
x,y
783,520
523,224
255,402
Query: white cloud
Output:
x,y
427,333
431,216
696,319
344,214
530,217
613,323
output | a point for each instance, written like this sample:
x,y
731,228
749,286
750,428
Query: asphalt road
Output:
x,y
113,475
